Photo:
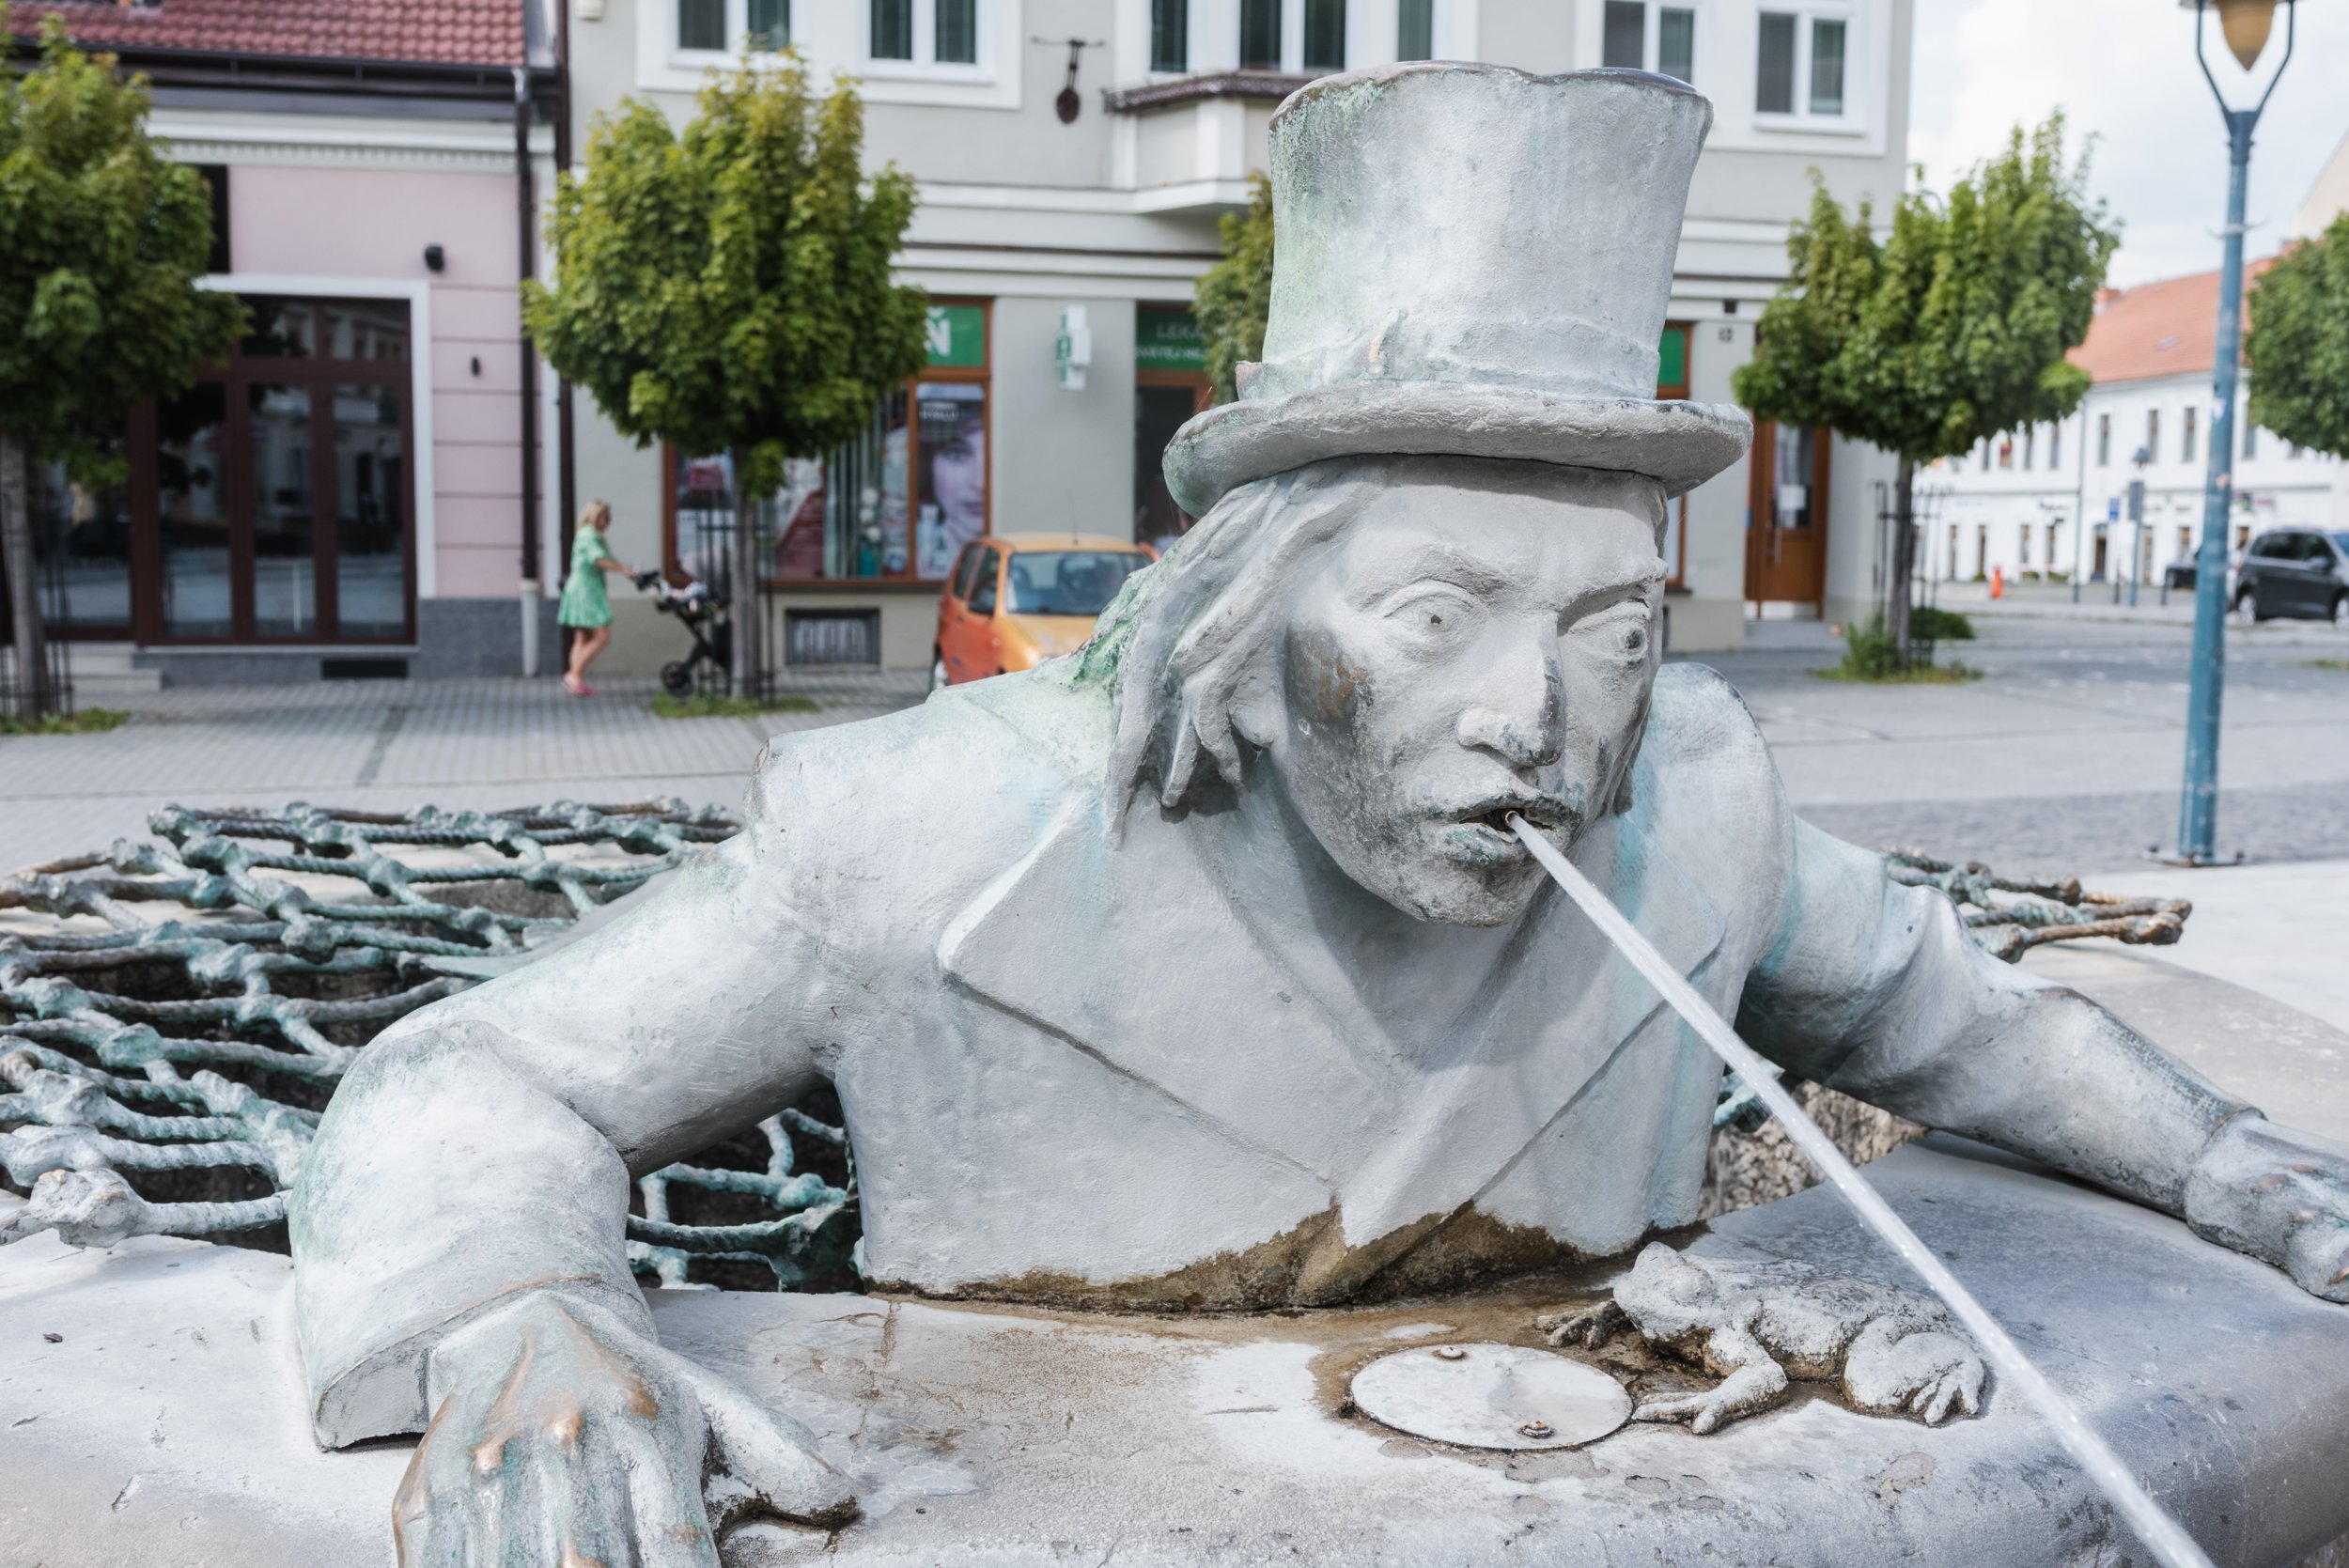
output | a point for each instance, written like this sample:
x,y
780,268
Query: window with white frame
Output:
x,y
720,27
1170,36
1802,66
1415,29
924,31
1260,35
1325,35
1644,35
1295,37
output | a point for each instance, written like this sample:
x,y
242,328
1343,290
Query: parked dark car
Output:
x,y
2297,572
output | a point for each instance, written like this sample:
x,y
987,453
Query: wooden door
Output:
x,y
1787,515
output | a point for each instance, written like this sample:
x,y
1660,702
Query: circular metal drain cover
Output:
x,y
1492,1396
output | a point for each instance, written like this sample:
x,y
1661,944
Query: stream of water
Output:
x,y
2161,1534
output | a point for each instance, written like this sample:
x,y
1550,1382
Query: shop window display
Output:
x,y
897,504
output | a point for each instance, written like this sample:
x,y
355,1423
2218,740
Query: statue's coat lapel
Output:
x,y
1135,954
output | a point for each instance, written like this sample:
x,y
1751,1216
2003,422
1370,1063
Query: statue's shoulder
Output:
x,y
1705,784
1696,720
971,762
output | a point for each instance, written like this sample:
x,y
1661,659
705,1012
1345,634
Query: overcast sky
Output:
x,y
2123,71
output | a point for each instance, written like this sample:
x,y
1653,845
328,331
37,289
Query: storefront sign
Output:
x,y
1167,339
957,336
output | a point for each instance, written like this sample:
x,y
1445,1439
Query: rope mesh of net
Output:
x,y
177,1012
2008,916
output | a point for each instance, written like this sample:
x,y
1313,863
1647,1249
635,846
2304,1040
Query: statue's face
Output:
x,y
1478,644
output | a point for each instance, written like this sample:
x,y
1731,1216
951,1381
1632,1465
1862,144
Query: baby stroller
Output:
x,y
704,614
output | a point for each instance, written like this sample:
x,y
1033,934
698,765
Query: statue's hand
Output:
x,y
561,1435
2279,1195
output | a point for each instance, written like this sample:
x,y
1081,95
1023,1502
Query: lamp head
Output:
x,y
2246,25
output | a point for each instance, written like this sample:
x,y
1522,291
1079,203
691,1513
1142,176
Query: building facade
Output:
x,y
2051,502
343,495
1073,159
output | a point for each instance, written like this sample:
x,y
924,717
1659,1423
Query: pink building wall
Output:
x,y
375,224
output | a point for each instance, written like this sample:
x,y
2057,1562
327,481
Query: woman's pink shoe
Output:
x,y
578,688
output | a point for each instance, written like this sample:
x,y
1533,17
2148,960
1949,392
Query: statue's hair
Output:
x,y
1181,641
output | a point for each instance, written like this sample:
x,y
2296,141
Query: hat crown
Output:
x,y
1477,225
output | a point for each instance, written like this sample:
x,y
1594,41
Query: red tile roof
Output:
x,y
438,32
2169,328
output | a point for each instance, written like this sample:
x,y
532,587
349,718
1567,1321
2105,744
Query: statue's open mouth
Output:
x,y
1546,815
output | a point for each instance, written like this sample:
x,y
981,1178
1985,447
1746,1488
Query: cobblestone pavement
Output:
x,y
2069,752
2067,755
392,745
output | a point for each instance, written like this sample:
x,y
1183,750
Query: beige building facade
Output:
x,y
1074,158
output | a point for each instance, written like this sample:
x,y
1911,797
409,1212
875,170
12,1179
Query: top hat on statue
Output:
x,y
1471,261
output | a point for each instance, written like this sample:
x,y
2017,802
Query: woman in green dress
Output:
x,y
585,609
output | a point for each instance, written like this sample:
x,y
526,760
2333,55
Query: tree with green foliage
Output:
x,y
1949,329
1235,296
727,288
102,239
2297,346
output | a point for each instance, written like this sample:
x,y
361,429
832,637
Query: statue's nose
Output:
x,y
1517,714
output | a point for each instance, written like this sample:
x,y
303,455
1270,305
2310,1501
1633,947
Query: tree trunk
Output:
x,y
744,589
16,555
1903,563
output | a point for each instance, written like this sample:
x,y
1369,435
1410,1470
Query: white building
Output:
x,y
2050,501
1073,156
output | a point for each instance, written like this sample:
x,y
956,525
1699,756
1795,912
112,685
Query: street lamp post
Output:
x,y
2245,25
2137,525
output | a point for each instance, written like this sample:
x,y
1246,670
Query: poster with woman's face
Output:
x,y
950,500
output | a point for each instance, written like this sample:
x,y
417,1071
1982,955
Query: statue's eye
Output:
x,y
1435,612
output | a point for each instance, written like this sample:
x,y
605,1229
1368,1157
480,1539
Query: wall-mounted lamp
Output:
x,y
1069,105
434,258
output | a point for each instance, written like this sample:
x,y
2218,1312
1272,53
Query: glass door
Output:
x,y
271,501
1787,515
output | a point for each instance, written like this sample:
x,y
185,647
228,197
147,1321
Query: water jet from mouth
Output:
x,y
2161,1534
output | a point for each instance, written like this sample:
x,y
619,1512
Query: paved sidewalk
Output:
x,y
2069,752
390,745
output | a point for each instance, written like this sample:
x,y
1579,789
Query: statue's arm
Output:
x,y
1875,989
483,1147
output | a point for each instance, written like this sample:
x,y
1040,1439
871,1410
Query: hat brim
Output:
x,y
1679,444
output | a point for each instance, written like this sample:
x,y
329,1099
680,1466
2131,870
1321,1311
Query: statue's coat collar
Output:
x,y
1135,954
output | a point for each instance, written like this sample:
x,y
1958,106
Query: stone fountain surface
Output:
x,y
163,1425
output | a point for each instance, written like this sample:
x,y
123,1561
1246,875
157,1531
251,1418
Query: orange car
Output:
x,y
1011,602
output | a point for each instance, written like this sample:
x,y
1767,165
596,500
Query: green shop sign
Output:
x,y
1672,367
1167,339
957,336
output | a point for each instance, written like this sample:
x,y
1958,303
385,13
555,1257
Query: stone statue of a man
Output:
x,y
1222,985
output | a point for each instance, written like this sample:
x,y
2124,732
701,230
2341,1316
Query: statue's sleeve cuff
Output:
x,y
442,1182
382,1395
